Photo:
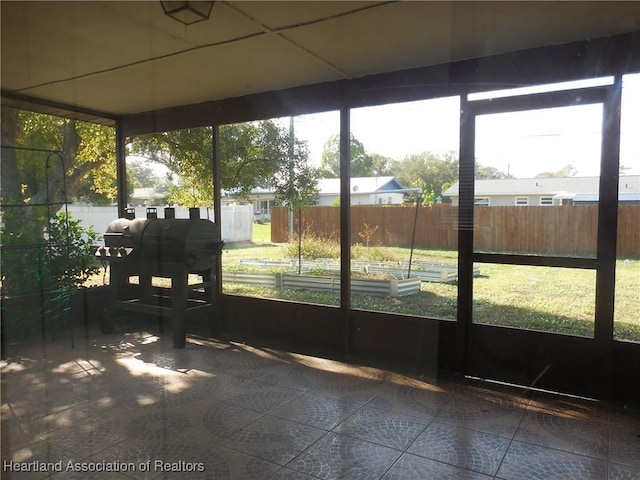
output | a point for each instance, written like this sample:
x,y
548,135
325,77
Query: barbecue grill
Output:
x,y
170,248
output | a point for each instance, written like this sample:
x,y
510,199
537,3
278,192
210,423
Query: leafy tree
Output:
x,y
431,172
252,155
144,176
69,258
45,161
380,165
185,152
567,171
296,182
362,164
141,175
87,152
483,172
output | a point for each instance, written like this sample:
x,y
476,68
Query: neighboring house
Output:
x,y
147,197
263,199
545,191
364,191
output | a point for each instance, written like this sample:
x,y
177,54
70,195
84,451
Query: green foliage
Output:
x,y
428,171
376,254
435,173
296,181
485,173
362,164
87,152
69,258
22,263
253,154
187,153
43,264
313,247
568,170
42,256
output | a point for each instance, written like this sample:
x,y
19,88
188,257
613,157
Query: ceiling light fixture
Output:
x,y
188,13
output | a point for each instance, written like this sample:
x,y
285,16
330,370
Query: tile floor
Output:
x,y
131,405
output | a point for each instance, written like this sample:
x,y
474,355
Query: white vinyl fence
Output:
x,y
237,220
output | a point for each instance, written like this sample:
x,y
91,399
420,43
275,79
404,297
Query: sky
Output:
x,y
522,143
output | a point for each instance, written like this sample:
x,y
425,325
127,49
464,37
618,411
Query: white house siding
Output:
x,y
503,192
510,200
380,198
237,220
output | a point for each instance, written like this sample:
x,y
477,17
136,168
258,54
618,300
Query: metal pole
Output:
x,y
413,233
345,225
121,169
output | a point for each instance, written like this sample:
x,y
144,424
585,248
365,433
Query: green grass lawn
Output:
x,y
559,300
261,233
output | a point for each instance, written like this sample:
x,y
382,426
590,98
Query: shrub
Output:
x,y
70,259
378,254
313,247
43,264
367,233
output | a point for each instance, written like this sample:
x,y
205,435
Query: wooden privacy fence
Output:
x,y
563,230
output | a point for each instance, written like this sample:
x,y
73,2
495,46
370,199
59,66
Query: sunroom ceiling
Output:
x,y
115,58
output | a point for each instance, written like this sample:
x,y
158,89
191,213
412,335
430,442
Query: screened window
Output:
x,y
292,253
403,156
627,300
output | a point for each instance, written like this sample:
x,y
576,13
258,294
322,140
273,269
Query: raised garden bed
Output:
x,y
425,271
364,286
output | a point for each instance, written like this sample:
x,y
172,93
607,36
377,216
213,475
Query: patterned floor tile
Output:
x,y
19,431
275,376
188,390
391,429
167,460
623,472
237,359
542,402
625,445
85,431
411,467
531,462
80,474
489,417
42,458
565,432
288,474
337,456
158,423
334,381
252,413
262,398
273,439
54,395
423,401
221,418
320,411
625,415
469,449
